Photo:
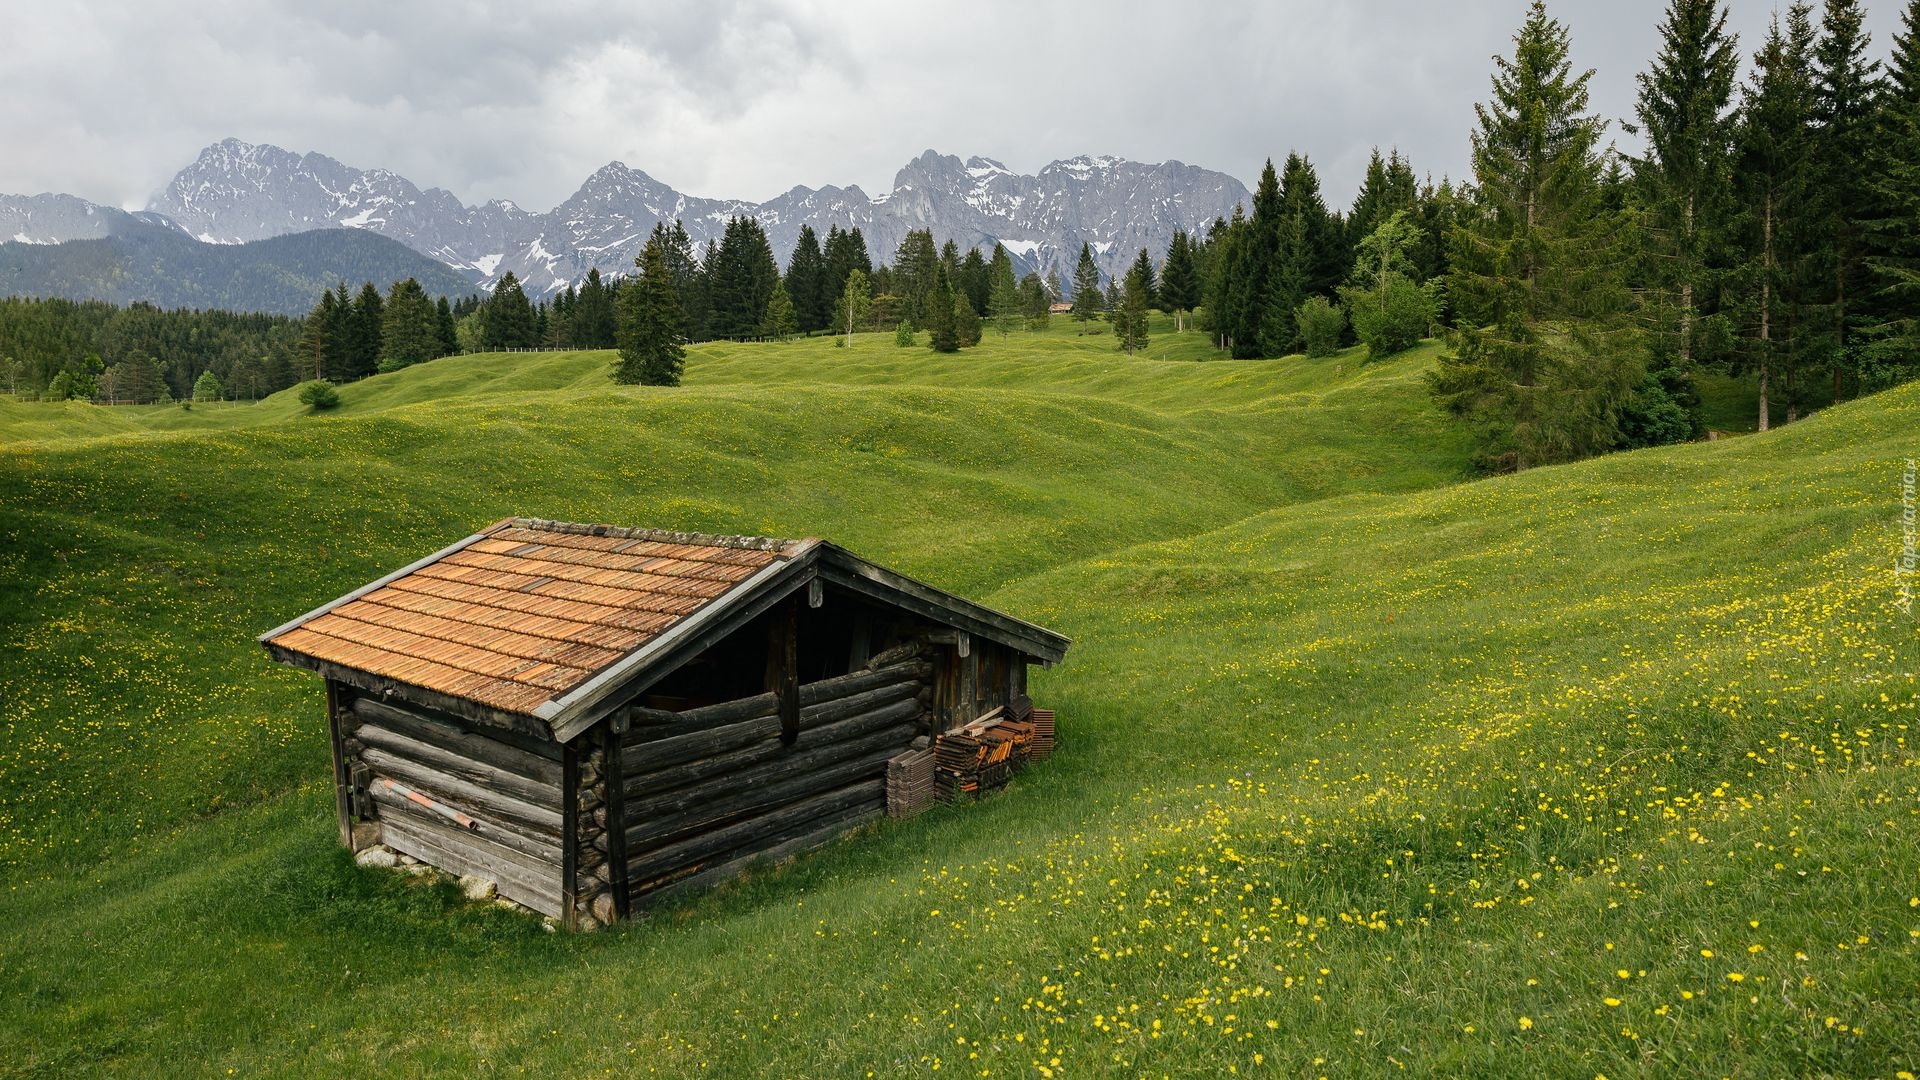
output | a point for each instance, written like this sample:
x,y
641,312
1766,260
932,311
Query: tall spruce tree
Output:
x,y
506,320
806,283
974,281
1087,299
1844,87
446,333
409,330
1685,112
780,321
1892,226
592,324
1003,292
1542,369
1130,316
316,340
942,329
916,270
741,281
1774,173
650,322
1179,280
1143,268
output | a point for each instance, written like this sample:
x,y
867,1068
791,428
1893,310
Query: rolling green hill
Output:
x,y
1365,768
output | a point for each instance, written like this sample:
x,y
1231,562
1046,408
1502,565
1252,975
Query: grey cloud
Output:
x,y
750,97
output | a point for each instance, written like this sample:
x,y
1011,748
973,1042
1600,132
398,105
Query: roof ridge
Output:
x,y
664,536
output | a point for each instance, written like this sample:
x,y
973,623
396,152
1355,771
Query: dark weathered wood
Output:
x,y
614,777
570,908
861,647
656,724
706,716
795,765
665,752
783,674
783,845
545,849
825,722
510,752
342,781
456,764
902,592
902,653
471,798
453,850
650,867
862,760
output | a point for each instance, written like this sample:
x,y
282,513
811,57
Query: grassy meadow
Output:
x,y
1366,767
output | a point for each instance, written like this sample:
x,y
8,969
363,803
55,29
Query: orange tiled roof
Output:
x,y
528,610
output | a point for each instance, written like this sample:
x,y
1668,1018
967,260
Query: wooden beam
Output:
x,y
787,689
342,781
613,775
380,686
484,746
569,913
815,595
488,776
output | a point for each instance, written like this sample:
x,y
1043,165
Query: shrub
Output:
x,y
319,394
1391,318
903,334
1321,325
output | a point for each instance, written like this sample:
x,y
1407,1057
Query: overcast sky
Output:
x,y
745,99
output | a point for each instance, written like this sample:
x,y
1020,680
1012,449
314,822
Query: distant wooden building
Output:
x,y
591,717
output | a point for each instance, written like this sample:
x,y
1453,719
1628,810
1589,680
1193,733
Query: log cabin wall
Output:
x,y
705,792
447,792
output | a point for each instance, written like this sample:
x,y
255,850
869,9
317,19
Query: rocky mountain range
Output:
x,y
236,192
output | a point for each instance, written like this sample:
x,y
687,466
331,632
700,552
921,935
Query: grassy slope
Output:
x,y
1380,711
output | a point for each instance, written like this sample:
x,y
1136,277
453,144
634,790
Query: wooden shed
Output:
x,y
592,717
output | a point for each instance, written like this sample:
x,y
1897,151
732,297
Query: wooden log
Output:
x,y
448,848
870,761
544,849
643,791
342,782
477,801
453,763
901,653
485,749
654,724
825,723
733,787
802,838
643,871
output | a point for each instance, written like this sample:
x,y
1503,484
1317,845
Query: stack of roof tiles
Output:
x,y
1042,720
910,780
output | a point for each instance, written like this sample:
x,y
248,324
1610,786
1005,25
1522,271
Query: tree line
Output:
x,y
91,349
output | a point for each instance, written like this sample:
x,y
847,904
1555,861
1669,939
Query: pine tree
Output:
x,y
1843,119
1036,302
409,328
1539,369
1389,187
966,321
1685,110
916,266
741,279
1003,292
447,338
1179,280
506,320
1774,173
1087,299
1143,269
806,283
974,281
316,339
942,329
592,324
1130,321
780,322
1892,227
650,323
